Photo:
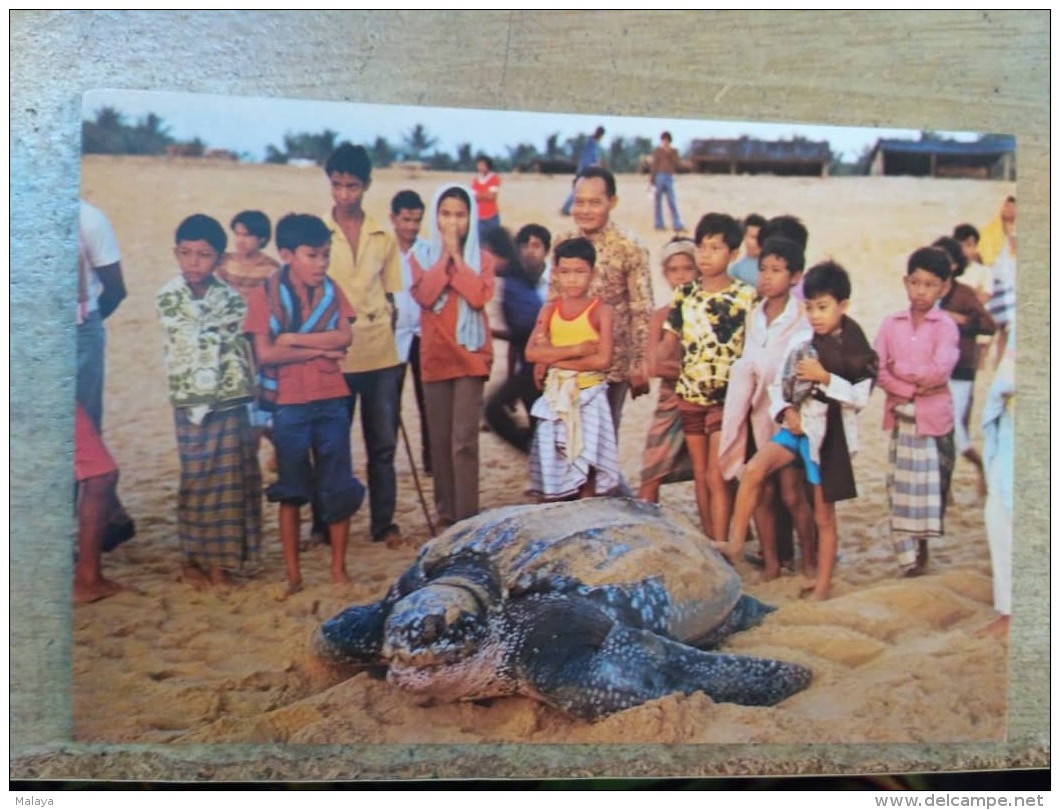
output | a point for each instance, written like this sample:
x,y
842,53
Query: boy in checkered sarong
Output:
x,y
918,349
210,374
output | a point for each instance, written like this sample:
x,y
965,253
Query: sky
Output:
x,y
247,124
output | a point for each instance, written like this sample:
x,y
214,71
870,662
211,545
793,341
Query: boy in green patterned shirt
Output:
x,y
210,373
707,320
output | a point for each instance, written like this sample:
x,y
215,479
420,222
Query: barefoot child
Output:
x,y
918,349
300,322
706,323
210,372
747,424
574,452
666,459
825,379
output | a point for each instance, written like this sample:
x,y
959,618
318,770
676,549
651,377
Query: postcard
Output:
x,y
576,622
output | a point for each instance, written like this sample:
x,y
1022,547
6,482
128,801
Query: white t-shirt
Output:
x,y
98,248
979,277
408,309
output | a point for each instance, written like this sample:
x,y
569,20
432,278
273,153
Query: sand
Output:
x,y
894,660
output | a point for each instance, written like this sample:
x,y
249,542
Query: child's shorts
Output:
x,y
313,458
700,420
800,446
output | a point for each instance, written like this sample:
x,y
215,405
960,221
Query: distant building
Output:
x,y
798,157
992,158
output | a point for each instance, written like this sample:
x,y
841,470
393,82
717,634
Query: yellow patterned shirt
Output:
x,y
711,327
622,280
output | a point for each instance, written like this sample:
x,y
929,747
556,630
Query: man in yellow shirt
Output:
x,y
366,265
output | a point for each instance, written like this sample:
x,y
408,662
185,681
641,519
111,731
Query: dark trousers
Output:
x,y
519,387
417,383
377,391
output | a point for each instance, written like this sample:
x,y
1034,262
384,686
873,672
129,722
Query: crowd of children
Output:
x,y
760,385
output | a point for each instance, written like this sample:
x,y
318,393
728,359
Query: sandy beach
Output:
x,y
894,660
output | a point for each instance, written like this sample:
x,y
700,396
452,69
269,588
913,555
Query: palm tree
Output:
x,y
417,141
381,152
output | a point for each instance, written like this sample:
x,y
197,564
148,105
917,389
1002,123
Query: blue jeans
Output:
x,y
380,410
487,225
313,459
568,203
664,185
91,351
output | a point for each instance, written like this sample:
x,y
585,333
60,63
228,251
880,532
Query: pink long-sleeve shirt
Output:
x,y
925,355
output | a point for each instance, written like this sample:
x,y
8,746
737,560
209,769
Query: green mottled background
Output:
x,y
970,70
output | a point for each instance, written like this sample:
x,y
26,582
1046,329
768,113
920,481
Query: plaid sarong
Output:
x,y
219,503
918,479
553,472
666,456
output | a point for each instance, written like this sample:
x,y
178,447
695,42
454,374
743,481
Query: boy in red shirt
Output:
x,y
486,186
300,322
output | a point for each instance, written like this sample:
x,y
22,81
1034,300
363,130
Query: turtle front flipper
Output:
x,y
354,636
580,661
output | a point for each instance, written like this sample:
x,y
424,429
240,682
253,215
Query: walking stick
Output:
x,y
415,475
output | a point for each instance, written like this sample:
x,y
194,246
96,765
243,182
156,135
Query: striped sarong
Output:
x,y
219,502
666,456
918,480
1002,302
553,473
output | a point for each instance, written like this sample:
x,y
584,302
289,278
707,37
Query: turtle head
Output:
x,y
444,623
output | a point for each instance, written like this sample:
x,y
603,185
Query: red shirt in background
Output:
x,y
487,203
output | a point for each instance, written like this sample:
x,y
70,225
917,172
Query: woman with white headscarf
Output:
x,y
452,280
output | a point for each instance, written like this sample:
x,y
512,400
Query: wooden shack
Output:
x,y
992,158
744,155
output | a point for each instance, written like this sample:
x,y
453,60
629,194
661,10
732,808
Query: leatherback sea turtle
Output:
x,y
589,606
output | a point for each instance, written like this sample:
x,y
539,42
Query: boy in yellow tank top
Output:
x,y
573,453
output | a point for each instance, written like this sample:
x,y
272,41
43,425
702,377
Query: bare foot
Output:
x,y
85,592
340,577
195,577
220,581
998,628
293,587
769,574
727,551
814,594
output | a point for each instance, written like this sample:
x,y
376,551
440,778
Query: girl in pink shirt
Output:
x,y
918,349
